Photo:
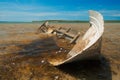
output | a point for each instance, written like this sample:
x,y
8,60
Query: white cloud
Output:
x,y
23,13
16,11
114,13
20,14
29,16
19,6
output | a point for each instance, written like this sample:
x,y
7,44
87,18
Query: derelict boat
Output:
x,y
87,47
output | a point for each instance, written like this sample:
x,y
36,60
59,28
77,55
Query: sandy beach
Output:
x,y
23,54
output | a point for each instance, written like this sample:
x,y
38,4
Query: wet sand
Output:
x,y
24,55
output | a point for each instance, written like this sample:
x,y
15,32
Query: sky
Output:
x,y
36,10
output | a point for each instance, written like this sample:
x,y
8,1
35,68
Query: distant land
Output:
x,y
59,21
76,21
63,21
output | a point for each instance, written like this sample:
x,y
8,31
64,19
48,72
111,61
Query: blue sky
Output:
x,y
29,10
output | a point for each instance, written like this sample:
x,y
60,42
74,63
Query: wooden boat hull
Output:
x,y
89,46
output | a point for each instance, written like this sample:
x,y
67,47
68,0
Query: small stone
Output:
x,y
31,73
65,51
13,63
59,51
42,61
63,41
56,77
61,48
56,52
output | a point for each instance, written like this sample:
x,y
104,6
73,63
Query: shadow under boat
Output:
x,y
88,69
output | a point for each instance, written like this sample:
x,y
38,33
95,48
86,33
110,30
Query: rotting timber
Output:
x,y
86,47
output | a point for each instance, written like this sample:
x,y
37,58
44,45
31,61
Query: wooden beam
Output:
x,y
75,38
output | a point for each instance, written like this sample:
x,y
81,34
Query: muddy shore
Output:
x,y
24,54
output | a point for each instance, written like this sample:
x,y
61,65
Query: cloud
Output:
x,y
25,13
114,13
21,12
73,15
19,15
25,7
16,11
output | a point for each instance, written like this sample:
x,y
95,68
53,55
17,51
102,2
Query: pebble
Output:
x,y
42,61
31,73
13,63
56,77
59,51
63,41
65,51
56,52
